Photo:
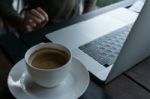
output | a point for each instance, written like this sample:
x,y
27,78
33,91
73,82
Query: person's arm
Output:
x,y
89,5
8,13
35,18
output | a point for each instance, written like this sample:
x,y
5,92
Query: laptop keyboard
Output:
x,y
106,49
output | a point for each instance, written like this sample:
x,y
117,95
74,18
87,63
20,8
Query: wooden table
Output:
x,y
133,84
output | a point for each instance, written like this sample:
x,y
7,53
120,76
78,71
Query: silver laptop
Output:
x,y
107,46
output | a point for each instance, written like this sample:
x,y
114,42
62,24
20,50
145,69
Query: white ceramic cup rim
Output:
x,y
47,45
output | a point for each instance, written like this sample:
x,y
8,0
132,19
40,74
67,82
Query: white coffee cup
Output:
x,y
48,77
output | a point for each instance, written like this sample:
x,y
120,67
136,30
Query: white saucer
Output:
x,y
22,87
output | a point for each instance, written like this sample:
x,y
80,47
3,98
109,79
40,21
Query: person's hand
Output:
x,y
34,19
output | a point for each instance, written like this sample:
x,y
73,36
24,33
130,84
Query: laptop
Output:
x,y
108,46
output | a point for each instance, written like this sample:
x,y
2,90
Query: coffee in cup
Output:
x,y
48,58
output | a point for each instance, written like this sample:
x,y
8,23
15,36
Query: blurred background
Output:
x,y
102,3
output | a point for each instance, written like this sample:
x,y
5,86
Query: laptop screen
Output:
x,y
137,45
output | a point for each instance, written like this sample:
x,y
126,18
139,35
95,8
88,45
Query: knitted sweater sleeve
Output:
x,y
8,13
